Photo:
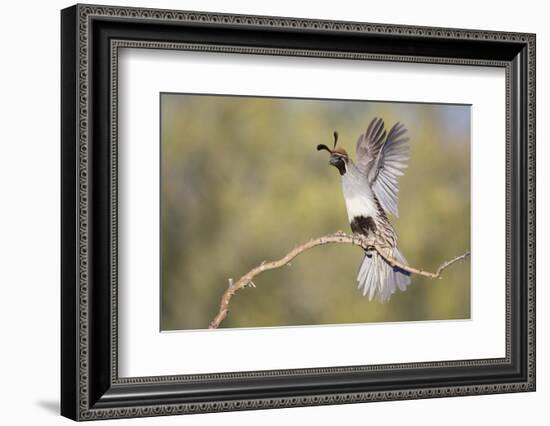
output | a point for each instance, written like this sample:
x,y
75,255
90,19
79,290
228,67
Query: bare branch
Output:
x,y
416,271
340,237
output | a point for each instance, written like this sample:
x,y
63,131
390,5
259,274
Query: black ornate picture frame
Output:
x,y
90,385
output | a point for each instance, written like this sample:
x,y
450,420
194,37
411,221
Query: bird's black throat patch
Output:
x,y
341,168
363,225
339,162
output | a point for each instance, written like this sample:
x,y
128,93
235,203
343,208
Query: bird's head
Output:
x,y
338,156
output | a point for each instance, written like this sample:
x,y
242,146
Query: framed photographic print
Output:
x,y
263,212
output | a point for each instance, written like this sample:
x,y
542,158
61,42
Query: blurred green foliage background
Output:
x,y
241,182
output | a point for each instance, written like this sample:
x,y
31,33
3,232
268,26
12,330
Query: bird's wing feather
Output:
x,y
382,159
391,158
369,144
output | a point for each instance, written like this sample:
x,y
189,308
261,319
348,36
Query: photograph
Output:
x,y
278,212
269,208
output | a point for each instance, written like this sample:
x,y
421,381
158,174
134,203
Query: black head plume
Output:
x,y
322,146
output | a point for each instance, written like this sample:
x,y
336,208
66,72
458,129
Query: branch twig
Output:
x,y
338,237
416,271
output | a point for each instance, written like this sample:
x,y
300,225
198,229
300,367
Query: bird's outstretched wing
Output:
x,y
369,144
382,159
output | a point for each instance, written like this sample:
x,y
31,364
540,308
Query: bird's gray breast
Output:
x,y
358,196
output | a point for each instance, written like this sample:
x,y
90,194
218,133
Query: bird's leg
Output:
x,y
365,241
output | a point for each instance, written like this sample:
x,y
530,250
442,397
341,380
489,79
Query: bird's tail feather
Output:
x,y
377,277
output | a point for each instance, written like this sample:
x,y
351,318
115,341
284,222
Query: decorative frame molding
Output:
x,y
91,37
